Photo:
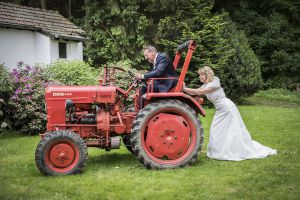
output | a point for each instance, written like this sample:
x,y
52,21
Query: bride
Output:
x,y
229,138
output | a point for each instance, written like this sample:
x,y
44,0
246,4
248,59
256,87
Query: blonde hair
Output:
x,y
209,73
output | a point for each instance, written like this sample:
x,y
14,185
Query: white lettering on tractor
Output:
x,y
61,94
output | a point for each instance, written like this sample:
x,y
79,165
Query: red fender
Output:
x,y
178,95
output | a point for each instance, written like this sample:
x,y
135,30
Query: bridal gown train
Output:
x,y
229,138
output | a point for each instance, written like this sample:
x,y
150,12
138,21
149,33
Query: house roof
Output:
x,y
47,22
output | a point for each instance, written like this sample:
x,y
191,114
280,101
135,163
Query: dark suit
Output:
x,y
163,68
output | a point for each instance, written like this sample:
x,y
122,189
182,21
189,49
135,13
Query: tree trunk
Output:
x,y
70,9
43,3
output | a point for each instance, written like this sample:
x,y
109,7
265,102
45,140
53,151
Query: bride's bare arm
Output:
x,y
198,91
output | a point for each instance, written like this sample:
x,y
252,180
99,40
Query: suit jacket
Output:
x,y
163,68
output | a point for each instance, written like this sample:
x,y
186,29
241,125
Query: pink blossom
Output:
x,y
17,91
14,97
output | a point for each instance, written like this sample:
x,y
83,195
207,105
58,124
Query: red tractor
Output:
x,y
166,133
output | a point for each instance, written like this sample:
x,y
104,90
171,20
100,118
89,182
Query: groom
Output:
x,y
162,68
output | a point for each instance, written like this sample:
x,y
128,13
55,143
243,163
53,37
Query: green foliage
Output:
x,y
272,28
27,105
73,73
5,82
119,30
5,93
81,73
220,45
241,75
193,20
116,31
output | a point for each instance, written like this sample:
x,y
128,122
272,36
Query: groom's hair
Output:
x,y
150,48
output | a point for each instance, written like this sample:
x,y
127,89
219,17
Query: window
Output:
x,y
62,50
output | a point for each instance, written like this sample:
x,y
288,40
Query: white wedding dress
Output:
x,y
229,138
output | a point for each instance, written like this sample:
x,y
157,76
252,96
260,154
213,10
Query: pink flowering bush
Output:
x,y
27,104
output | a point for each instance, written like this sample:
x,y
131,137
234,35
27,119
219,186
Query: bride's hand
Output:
x,y
183,86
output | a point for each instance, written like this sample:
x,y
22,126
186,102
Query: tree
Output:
x,y
193,20
242,73
43,3
272,28
116,31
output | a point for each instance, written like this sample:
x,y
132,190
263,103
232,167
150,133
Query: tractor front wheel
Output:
x,y
166,134
61,153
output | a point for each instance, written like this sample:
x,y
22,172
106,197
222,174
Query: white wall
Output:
x,y
41,48
21,45
54,50
75,50
32,47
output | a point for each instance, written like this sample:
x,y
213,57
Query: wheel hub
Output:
x,y
168,136
61,155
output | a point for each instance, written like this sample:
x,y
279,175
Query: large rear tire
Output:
x,y
167,134
61,153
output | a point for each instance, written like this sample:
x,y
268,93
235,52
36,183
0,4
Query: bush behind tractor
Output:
x,y
165,133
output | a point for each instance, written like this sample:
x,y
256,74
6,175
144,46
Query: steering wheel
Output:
x,y
135,81
131,74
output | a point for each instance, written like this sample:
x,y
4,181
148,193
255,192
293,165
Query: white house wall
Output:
x,y
32,47
41,48
21,45
75,50
54,50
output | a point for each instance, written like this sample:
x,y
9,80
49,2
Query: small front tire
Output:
x,y
61,153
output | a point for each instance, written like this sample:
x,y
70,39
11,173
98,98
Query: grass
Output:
x,y
118,174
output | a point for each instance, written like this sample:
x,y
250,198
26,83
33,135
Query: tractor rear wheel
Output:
x,y
61,153
166,134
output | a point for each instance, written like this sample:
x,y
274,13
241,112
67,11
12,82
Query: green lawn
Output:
x,y
118,175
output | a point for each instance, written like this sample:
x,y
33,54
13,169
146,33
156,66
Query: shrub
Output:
x,y
5,93
27,103
241,75
73,73
81,73
273,33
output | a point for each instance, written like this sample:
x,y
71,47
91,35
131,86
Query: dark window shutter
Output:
x,y
62,50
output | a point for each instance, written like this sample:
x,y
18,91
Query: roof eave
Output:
x,y
32,28
18,26
67,37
